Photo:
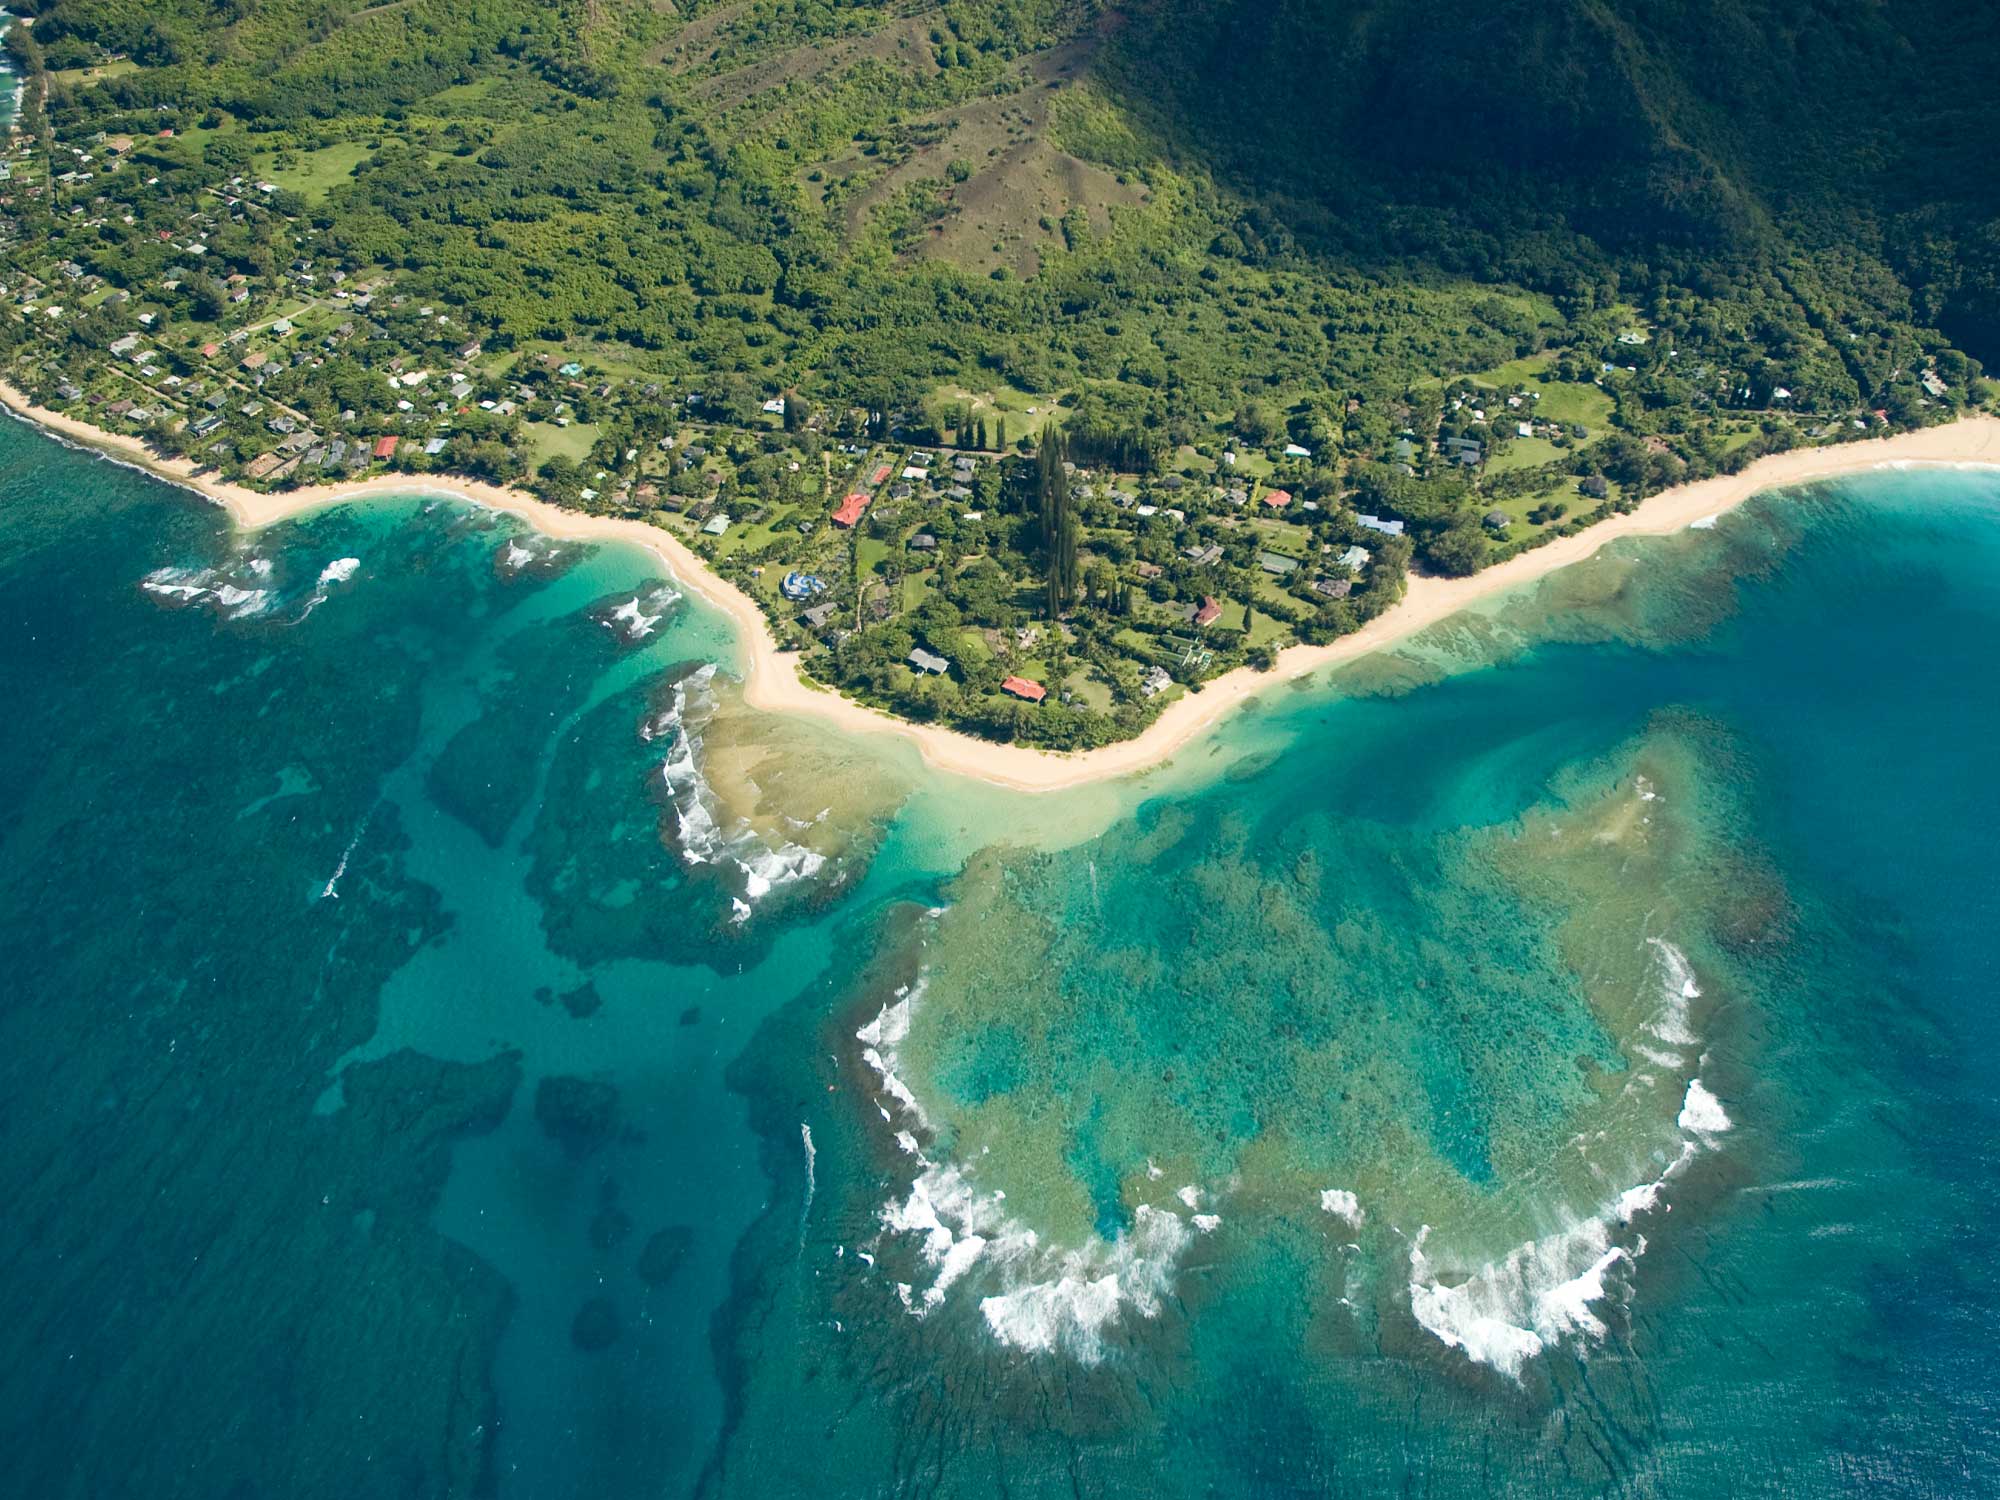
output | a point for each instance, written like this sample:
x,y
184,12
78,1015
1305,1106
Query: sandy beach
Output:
x,y
772,679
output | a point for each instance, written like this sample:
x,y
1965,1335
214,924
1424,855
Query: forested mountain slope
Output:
x,y
605,165
1312,288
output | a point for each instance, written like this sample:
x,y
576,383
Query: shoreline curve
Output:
x,y
773,683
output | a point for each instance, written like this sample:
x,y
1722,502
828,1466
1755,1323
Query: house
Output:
x,y
1496,520
717,525
434,447
1277,564
1208,614
1203,557
263,464
1277,499
818,616
1293,450
850,510
1333,588
923,541
1156,680
1025,689
1596,486
209,351
1931,382
775,407
1148,570
385,447
922,661
256,360
1376,523
1354,559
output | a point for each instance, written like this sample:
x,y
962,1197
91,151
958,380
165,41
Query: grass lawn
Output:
x,y
1524,453
1279,537
1519,505
546,441
117,68
1026,413
312,174
1265,631
1088,691
1270,591
869,554
1562,400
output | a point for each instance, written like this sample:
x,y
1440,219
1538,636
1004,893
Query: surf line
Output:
x,y
805,1208
331,891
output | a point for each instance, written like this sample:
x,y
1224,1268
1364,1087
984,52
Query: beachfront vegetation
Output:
x,y
1265,269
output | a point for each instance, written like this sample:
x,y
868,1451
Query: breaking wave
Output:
x,y
221,590
340,570
1038,1297
1549,1290
636,618
760,865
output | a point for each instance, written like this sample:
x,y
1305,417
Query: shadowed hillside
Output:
x,y
1705,127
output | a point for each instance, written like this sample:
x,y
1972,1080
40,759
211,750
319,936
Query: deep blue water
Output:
x,y
390,1105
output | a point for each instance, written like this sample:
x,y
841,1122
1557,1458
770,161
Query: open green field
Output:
x,y
1524,453
117,68
1024,412
313,174
546,441
1561,400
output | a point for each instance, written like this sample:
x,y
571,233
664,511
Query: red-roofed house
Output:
x,y
209,351
1209,612
1278,499
385,447
880,474
850,509
1022,687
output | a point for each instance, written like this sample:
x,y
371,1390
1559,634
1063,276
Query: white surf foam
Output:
x,y
762,864
1504,1313
1046,1298
1342,1204
1702,1113
1677,989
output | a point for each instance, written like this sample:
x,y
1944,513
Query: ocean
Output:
x,y
450,1044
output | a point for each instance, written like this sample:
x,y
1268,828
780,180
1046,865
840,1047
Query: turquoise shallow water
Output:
x,y
393,1107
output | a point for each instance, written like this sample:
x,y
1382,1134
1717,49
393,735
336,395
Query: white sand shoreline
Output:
x,y
772,681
